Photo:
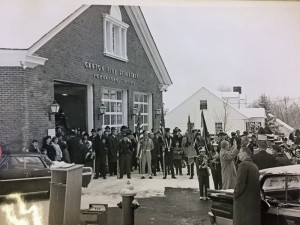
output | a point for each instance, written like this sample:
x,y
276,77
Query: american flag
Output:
x,y
139,133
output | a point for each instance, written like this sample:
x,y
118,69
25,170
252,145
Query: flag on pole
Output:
x,y
139,134
162,124
205,131
163,132
189,126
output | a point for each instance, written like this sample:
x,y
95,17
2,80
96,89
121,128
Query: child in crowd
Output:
x,y
203,173
177,158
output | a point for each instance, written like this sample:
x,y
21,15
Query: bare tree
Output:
x,y
223,116
224,88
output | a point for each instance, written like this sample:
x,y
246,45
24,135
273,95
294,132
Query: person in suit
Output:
x,y
263,159
100,146
74,148
247,191
112,152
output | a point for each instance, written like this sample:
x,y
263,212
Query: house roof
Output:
x,y
253,112
19,50
246,112
282,123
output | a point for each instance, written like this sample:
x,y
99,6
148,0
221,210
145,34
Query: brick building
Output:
x,y
97,55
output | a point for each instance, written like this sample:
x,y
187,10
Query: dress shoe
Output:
x,y
164,177
174,177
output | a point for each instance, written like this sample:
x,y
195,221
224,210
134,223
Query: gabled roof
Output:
x,y
139,23
246,112
253,112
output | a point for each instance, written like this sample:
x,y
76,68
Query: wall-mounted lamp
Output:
x,y
134,112
157,112
54,108
102,110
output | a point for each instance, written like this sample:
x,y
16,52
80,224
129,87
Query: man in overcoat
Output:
x,y
112,152
246,196
100,148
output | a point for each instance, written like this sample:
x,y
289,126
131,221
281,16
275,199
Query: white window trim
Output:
x,y
124,107
122,37
149,124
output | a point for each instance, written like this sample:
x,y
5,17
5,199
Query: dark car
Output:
x,y
280,198
29,173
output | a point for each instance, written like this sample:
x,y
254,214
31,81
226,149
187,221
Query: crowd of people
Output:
x,y
113,152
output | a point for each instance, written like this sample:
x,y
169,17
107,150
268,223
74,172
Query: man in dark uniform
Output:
x,y
112,152
168,150
100,148
126,149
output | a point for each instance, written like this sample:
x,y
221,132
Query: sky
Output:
x,y
254,45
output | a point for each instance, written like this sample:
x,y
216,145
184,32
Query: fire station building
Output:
x,y
97,56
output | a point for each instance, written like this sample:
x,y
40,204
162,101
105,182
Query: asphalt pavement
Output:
x,y
180,206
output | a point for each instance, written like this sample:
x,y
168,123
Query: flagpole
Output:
x,y
204,131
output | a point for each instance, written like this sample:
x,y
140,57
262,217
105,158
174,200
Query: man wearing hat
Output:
x,y
93,135
168,151
112,152
126,149
270,142
262,159
100,162
146,148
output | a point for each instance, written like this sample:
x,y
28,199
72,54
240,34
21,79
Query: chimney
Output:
x,y
237,89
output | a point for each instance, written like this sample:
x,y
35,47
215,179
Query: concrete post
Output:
x,y
128,204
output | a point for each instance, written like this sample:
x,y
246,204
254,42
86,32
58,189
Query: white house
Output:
x,y
222,110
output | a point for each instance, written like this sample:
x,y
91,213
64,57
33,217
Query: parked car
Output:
x,y
280,198
30,173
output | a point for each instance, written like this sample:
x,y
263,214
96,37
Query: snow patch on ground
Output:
x,y
107,191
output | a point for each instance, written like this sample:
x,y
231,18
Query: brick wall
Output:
x,y
13,126
80,41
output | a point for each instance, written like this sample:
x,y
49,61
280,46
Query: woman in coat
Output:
x,y
227,158
246,196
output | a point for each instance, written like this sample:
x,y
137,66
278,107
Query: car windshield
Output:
x,y
283,188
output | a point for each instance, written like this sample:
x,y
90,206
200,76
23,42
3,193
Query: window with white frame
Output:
x,y
114,115
141,101
115,34
218,127
203,104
